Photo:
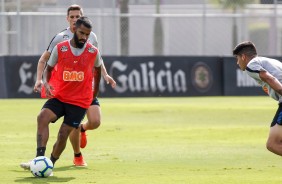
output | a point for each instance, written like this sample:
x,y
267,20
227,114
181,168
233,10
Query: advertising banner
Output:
x,y
163,76
143,77
135,76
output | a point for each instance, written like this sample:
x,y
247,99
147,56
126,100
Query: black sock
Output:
x,y
77,154
40,151
53,159
82,129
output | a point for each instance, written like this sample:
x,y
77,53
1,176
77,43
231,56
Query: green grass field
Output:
x,y
195,140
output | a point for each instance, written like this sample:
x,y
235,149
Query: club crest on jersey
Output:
x,y
66,37
64,48
91,50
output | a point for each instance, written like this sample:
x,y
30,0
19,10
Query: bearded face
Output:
x,y
79,42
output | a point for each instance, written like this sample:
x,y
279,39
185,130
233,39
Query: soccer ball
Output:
x,y
41,167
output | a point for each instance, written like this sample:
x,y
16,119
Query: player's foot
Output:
x,y
25,165
83,139
79,161
52,174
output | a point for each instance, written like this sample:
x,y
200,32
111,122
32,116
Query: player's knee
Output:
x,y
270,145
45,117
94,124
42,119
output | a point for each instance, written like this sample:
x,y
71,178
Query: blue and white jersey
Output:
x,y
272,66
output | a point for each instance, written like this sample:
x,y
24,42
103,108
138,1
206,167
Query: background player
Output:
x,y
268,73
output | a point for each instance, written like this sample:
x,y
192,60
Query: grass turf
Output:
x,y
194,140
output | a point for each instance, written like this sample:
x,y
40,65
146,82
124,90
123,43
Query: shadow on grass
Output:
x,y
43,180
70,167
49,179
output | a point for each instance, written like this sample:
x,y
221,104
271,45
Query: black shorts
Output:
x,y
278,116
95,102
73,114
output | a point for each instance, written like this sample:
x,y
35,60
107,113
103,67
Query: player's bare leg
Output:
x,y
93,122
93,118
43,119
61,142
75,142
75,139
76,136
274,142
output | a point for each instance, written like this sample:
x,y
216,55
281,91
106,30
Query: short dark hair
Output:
x,y
247,48
75,7
85,21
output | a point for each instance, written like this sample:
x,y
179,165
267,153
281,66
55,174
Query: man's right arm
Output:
x,y
46,78
271,81
43,60
40,67
53,60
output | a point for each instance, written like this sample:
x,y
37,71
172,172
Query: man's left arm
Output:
x,y
97,74
97,78
106,76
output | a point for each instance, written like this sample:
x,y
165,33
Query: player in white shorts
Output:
x,y
78,137
268,73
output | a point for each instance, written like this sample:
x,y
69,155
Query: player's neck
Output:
x,y
72,43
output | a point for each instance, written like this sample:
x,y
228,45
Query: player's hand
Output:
x,y
110,80
37,86
48,90
265,89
